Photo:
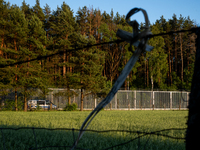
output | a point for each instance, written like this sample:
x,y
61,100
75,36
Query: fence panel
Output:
x,y
143,99
180,100
162,99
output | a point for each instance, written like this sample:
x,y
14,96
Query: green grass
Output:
x,y
147,121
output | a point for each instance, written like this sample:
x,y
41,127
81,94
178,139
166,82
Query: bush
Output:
x,y
71,107
38,107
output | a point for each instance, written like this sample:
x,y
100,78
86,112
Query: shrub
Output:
x,y
71,107
38,107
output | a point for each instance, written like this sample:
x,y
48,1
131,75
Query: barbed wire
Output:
x,y
60,52
89,46
139,133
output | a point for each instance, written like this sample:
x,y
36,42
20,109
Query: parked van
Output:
x,y
44,104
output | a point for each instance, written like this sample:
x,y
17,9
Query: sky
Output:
x,y
154,8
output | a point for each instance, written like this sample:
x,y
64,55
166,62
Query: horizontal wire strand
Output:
x,y
89,46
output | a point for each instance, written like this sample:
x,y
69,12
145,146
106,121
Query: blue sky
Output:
x,y
154,8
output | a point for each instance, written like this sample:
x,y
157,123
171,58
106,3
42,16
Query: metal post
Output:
x,y
152,91
116,101
95,103
134,99
52,97
153,100
128,100
170,100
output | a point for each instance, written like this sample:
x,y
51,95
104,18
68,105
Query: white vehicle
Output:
x,y
44,104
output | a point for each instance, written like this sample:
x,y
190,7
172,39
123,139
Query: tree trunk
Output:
x,y
193,123
176,63
81,109
64,66
15,44
2,42
181,48
25,99
16,109
170,68
69,100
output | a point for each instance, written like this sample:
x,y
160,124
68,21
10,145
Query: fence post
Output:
x,y
52,97
135,99
116,101
95,102
128,100
170,100
153,100
193,123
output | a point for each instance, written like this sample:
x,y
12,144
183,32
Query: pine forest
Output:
x,y
28,32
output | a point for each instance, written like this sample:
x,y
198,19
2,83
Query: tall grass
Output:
x,y
147,121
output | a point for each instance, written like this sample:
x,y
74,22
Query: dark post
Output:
x,y
193,123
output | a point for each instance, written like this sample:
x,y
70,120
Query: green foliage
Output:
x,y
157,58
71,107
38,107
10,105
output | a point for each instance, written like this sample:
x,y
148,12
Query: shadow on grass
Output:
x,y
33,138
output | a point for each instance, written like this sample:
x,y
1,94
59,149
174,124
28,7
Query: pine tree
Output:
x,y
30,75
63,25
157,58
26,10
17,37
38,11
47,13
88,65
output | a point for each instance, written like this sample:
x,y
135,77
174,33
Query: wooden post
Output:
x,y
193,123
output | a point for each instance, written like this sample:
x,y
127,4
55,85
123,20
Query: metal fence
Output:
x,y
129,100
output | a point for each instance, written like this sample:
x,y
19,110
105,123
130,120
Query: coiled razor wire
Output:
x,y
133,39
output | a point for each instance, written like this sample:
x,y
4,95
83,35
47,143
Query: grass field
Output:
x,y
147,121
